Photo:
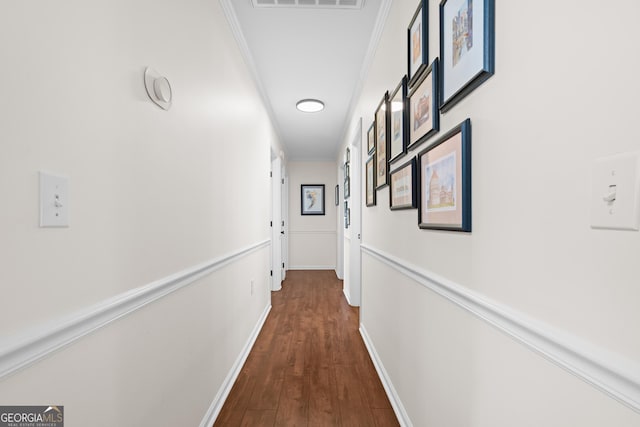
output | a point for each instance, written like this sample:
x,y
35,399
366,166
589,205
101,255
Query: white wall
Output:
x,y
312,238
562,97
152,193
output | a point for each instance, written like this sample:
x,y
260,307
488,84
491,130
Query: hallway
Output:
x,y
309,366
157,172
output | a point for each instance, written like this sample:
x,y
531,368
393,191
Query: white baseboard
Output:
x,y
396,404
29,347
227,384
613,374
346,296
312,267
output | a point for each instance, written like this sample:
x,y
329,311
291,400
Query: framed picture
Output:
x,y
346,214
399,122
402,187
466,47
424,100
337,195
370,179
371,138
347,187
382,142
418,41
312,199
444,176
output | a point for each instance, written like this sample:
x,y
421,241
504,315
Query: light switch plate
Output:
x,y
54,201
615,198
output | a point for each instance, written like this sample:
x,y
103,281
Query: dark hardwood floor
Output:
x,y
308,366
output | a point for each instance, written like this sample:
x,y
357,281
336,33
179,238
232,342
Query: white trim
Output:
x,y
610,373
28,348
243,46
328,232
376,35
346,296
312,267
227,384
396,403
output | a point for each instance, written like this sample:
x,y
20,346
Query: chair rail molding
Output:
x,y
611,373
29,347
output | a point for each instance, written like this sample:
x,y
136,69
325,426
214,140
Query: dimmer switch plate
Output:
x,y
54,201
615,198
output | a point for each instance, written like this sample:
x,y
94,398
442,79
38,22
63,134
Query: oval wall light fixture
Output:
x,y
310,105
158,88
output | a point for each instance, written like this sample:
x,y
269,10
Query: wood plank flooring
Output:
x,y
308,366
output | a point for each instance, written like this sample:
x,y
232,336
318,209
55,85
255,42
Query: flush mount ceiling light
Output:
x,y
310,105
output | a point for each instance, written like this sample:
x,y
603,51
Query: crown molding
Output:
x,y
245,52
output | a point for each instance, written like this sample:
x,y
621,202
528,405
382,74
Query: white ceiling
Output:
x,y
303,51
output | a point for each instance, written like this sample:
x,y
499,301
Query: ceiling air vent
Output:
x,y
307,4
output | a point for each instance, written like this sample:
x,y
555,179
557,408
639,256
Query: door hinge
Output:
x,y
283,223
283,265
270,223
270,174
283,180
271,273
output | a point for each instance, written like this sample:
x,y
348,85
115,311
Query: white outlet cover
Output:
x,y
620,173
54,200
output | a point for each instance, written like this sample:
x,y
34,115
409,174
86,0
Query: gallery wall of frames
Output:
x,y
436,181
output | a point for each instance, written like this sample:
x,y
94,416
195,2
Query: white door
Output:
x,y
355,206
284,229
276,221
352,256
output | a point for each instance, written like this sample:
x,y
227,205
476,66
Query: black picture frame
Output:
x,y
370,181
382,142
467,48
346,214
403,176
398,121
347,187
418,42
312,199
426,86
371,138
444,181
